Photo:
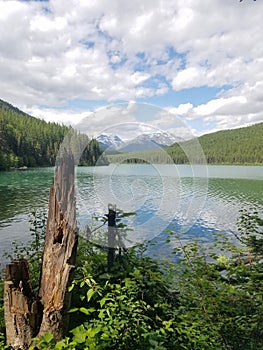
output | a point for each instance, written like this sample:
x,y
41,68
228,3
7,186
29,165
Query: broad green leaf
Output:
x,y
74,309
90,293
47,338
86,311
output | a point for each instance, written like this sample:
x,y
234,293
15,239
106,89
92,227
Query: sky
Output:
x,y
184,67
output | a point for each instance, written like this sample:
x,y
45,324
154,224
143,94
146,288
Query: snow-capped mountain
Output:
x,y
140,143
112,142
148,141
162,139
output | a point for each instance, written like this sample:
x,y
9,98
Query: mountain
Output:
x,y
234,146
140,143
148,142
110,142
163,139
26,141
5,106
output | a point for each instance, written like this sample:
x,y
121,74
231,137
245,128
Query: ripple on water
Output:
x,y
162,195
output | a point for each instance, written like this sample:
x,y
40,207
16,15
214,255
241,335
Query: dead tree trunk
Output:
x,y
22,309
59,251
25,315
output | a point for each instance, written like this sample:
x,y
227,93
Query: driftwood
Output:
x,y
26,315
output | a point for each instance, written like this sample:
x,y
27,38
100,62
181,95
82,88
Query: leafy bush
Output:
x,y
208,299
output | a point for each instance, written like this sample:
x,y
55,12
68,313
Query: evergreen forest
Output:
x,y
26,141
236,146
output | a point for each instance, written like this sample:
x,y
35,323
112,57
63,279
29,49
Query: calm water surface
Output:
x,y
193,200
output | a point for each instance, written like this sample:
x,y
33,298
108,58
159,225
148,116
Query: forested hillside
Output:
x,y
28,141
236,146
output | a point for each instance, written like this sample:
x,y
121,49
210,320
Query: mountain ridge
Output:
x,y
145,141
26,141
29,141
8,106
109,142
233,146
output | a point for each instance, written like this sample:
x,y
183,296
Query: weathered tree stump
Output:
x,y
22,309
59,251
25,315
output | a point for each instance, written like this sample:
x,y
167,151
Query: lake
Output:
x,y
195,201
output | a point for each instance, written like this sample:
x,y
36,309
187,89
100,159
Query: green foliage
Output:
x,y
126,308
2,342
238,146
251,232
28,141
223,297
208,299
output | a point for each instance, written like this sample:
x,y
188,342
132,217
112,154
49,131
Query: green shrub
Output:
x,y
211,298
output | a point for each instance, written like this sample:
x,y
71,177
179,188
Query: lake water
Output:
x,y
195,201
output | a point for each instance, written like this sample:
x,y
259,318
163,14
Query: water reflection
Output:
x,y
195,205
23,191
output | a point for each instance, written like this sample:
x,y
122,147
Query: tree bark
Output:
x,y
25,315
59,251
22,309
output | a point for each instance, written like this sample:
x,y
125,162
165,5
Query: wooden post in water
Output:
x,y
111,235
25,315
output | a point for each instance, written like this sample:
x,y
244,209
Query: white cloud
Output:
x,y
219,106
188,78
44,24
67,117
138,77
53,52
182,109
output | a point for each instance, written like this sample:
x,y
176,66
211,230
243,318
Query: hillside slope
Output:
x,y
236,146
243,145
28,141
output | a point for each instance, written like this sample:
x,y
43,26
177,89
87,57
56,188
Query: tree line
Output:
x,y
236,146
28,141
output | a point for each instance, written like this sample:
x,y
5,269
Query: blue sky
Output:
x,y
199,61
